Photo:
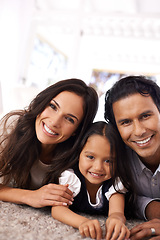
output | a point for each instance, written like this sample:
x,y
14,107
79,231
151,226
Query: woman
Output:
x,y
40,142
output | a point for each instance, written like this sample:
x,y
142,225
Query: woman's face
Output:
x,y
60,119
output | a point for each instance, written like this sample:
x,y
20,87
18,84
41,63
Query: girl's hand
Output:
x,y
49,195
91,228
116,229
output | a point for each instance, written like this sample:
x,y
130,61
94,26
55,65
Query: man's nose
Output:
x,y
139,129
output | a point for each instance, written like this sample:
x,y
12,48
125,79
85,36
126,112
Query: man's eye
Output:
x,y
146,116
90,157
126,122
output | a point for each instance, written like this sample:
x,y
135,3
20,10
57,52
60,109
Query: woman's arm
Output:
x,y
48,195
87,227
115,224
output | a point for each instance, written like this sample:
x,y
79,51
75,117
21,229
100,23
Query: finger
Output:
x,y
58,195
146,232
124,234
109,231
155,238
92,231
116,232
98,231
86,231
61,189
55,200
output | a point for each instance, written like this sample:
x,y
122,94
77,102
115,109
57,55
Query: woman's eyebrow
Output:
x,y
55,103
71,115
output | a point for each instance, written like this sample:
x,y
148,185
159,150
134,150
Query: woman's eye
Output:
x,y
53,106
70,119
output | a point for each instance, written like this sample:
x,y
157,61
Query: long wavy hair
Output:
x,y
19,146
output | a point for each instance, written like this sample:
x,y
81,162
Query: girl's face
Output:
x,y
95,159
60,119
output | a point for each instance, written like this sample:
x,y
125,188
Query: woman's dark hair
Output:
x,y
129,86
20,148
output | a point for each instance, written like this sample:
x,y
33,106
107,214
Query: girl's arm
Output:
x,y
48,195
87,227
115,224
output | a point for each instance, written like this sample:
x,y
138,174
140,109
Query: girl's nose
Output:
x,y
98,165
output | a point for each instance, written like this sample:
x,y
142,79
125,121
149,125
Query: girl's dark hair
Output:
x,y
20,147
117,148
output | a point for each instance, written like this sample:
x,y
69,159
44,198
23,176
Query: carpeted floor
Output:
x,y
19,222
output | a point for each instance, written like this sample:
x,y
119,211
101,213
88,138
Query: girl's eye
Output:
x,y
70,119
107,161
90,157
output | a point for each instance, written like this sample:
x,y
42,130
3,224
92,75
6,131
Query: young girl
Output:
x,y
94,183
40,142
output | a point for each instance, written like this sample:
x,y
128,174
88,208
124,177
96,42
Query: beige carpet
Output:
x,y
19,222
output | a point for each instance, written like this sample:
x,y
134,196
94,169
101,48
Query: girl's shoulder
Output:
x,y
68,177
118,186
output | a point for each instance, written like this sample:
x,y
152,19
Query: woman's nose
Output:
x,y
56,120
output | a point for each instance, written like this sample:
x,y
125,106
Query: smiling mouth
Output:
x,y
96,174
143,142
48,130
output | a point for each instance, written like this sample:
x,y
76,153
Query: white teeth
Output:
x,y
144,141
48,130
97,175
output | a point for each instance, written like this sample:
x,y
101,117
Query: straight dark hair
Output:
x,y
117,147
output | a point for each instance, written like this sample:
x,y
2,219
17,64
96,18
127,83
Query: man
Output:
x,y
132,105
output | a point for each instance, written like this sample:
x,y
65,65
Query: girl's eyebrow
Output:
x,y
71,115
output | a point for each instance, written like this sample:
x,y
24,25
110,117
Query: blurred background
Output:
x,y
98,41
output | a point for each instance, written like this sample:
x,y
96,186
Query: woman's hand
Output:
x,y
49,195
116,229
91,228
144,230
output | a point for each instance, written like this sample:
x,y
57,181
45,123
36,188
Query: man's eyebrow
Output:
x,y
71,115
127,119
123,120
146,112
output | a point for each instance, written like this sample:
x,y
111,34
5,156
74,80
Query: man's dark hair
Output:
x,y
129,86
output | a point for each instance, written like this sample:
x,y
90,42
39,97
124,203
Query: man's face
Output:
x,y
138,121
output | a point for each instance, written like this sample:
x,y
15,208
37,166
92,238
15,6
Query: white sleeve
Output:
x,y
118,186
1,180
70,178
